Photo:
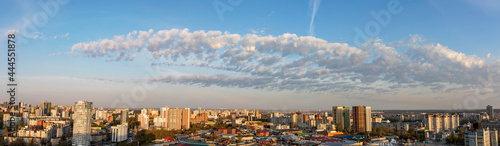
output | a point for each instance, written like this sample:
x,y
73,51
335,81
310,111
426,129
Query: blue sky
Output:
x,y
48,68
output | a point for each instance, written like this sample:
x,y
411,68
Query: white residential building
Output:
x,y
482,137
439,123
144,120
119,133
368,117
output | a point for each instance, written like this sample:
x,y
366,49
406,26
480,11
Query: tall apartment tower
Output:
x,y
163,117
341,116
144,121
82,122
368,115
46,108
489,110
173,118
124,116
358,119
185,118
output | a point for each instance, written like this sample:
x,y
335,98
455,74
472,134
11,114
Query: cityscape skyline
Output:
x,y
305,55
259,72
356,125
275,109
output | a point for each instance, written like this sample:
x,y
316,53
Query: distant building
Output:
x,y
186,112
482,137
368,117
124,116
54,113
492,125
46,108
7,122
119,133
144,121
173,118
99,115
201,117
341,117
489,110
82,122
65,114
439,123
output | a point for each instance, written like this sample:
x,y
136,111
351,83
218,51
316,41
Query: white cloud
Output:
x,y
12,31
104,79
55,54
299,63
66,35
258,31
314,6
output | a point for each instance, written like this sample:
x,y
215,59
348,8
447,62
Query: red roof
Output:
x,y
168,138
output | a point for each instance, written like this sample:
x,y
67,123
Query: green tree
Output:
x,y
5,131
213,137
18,142
339,127
411,130
374,132
240,137
224,140
21,123
144,137
2,141
132,122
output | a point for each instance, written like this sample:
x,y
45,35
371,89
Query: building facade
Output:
x,y
359,118
124,116
173,118
489,110
341,117
119,133
82,122
482,137
144,121
439,123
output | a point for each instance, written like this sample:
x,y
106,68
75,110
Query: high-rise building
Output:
x,y
162,120
46,108
82,122
438,123
119,133
489,110
359,118
368,115
144,121
294,119
482,137
185,118
341,117
173,118
305,118
124,116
